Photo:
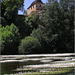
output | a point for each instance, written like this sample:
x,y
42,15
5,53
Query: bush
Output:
x,y
29,45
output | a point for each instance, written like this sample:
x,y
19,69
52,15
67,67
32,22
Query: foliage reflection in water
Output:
x,y
9,67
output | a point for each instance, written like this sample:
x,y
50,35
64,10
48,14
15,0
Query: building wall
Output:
x,y
34,8
38,6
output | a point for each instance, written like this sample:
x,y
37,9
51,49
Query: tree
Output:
x,y
58,27
31,22
2,21
21,25
9,10
9,14
10,39
39,33
29,45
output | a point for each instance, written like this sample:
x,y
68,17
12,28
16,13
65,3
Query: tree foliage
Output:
x,y
9,10
29,45
53,29
58,26
31,22
10,38
39,33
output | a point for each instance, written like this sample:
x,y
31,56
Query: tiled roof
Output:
x,y
36,1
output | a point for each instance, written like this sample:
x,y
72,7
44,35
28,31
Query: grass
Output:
x,y
51,72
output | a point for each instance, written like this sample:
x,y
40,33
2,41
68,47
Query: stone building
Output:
x,y
35,7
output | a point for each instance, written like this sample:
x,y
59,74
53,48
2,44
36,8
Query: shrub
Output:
x,y
29,45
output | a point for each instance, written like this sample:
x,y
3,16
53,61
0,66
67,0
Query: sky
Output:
x,y
27,3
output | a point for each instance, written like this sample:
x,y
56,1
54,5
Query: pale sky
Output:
x,y
27,3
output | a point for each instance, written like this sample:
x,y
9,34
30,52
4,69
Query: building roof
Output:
x,y
33,3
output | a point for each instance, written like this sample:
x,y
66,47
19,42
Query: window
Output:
x,y
36,5
33,6
40,5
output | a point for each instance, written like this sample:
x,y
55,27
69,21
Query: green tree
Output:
x,y
39,33
9,14
10,39
21,25
31,22
29,45
9,10
26,24
58,27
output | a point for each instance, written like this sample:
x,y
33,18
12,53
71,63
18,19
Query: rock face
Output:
x,y
35,7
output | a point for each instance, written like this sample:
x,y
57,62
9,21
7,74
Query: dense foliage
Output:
x,y
50,32
39,33
26,24
57,32
10,39
9,10
29,45
31,23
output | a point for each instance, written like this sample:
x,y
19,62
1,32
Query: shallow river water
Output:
x,y
9,67
10,63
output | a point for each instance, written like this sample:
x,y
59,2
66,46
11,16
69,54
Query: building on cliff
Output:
x,y
35,7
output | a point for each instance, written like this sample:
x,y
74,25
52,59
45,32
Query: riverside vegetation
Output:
x,y
50,32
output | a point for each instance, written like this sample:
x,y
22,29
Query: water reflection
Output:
x,y
7,68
